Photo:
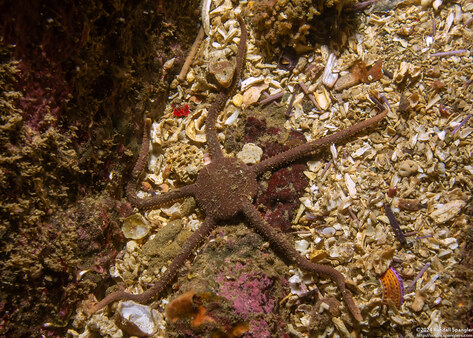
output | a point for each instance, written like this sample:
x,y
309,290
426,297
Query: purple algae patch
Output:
x,y
250,293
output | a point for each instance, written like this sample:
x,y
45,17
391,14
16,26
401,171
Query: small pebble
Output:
x,y
409,205
237,100
408,168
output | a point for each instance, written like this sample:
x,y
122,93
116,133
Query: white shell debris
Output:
x,y
250,154
173,211
233,117
205,15
195,127
252,94
135,227
301,246
340,325
136,319
328,231
323,99
360,151
351,186
447,211
329,78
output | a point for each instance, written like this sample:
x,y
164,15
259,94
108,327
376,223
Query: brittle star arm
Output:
x,y
219,103
284,247
140,165
310,147
187,249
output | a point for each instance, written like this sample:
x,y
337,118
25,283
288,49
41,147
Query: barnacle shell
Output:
x,y
186,161
101,326
135,227
408,168
195,127
136,319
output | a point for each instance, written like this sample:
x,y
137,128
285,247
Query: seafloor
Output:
x,y
390,208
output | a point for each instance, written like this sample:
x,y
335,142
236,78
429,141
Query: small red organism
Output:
x,y
436,85
181,111
392,191
444,111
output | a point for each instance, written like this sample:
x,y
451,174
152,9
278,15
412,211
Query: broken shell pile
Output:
x,y
423,150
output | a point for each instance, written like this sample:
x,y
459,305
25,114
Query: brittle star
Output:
x,y
224,189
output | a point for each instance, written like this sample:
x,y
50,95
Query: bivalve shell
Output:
x,y
136,319
135,227
195,127
323,99
252,94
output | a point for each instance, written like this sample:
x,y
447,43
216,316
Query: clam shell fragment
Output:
x,y
135,227
447,211
136,319
195,127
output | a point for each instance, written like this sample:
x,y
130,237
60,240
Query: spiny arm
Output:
x,y
294,154
189,246
284,247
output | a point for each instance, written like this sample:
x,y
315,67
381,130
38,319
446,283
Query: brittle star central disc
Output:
x,y
223,186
